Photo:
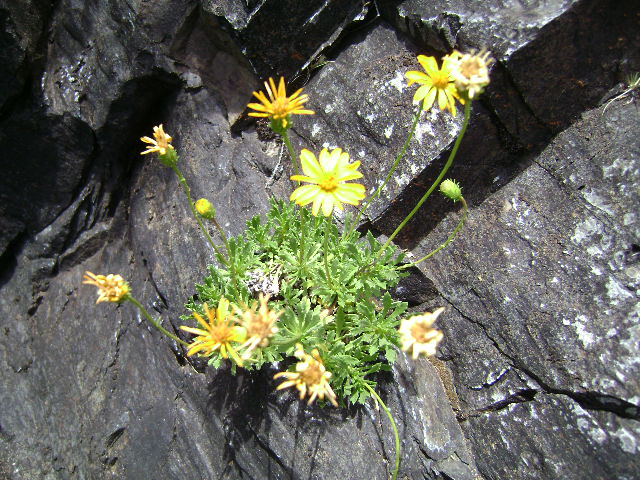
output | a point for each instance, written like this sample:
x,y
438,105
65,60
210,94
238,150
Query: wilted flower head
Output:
x,y
161,144
218,334
435,82
417,334
310,377
327,177
278,106
470,72
260,325
111,288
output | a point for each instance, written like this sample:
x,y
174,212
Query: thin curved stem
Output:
x,y
326,247
465,214
301,262
376,194
443,172
292,153
153,321
393,425
187,191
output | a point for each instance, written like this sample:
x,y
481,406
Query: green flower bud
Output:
x,y
205,208
170,158
280,125
451,189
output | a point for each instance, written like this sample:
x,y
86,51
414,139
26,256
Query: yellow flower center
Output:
x,y
329,183
280,107
422,333
471,67
440,80
222,334
313,374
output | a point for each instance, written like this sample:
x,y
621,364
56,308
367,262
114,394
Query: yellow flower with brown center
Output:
x,y
111,288
470,72
327,178
435,82
161,144
310,377
218,334
416,333
277,105
259,324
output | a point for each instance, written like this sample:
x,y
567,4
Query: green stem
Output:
x,y
376,194
187,191
465,213
301,252
292,153
452,156
326,251
393,425
153,322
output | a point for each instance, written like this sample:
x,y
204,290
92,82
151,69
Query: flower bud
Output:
x,y
205,208
451,189
170,158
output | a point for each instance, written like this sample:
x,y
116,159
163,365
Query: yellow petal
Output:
x,y
282,92
201,320
310,165
422,92
429,99
315,208
195,331
429,64
327,205
417,77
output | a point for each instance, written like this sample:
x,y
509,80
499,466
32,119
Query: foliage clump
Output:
x,y
351,318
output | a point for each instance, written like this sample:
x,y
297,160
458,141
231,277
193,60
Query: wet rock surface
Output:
x,y
538,373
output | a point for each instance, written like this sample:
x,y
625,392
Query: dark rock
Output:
x,y
282,36
542,336
21,28
545,385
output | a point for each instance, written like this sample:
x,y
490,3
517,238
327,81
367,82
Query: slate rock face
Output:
x,y
282,35
538,373
544,331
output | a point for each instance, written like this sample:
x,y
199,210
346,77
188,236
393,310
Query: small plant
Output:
x,y
633,83
296,285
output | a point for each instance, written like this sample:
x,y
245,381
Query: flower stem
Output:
x,y
187,191
326,251
465,214
393,425
452,156
301,263
292,153
153,322
376,194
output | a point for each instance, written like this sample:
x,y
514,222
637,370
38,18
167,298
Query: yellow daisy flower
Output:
x,y
259,324
278,106
436,82
327,177
310,377
417,334
161,144
218,333
111,288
